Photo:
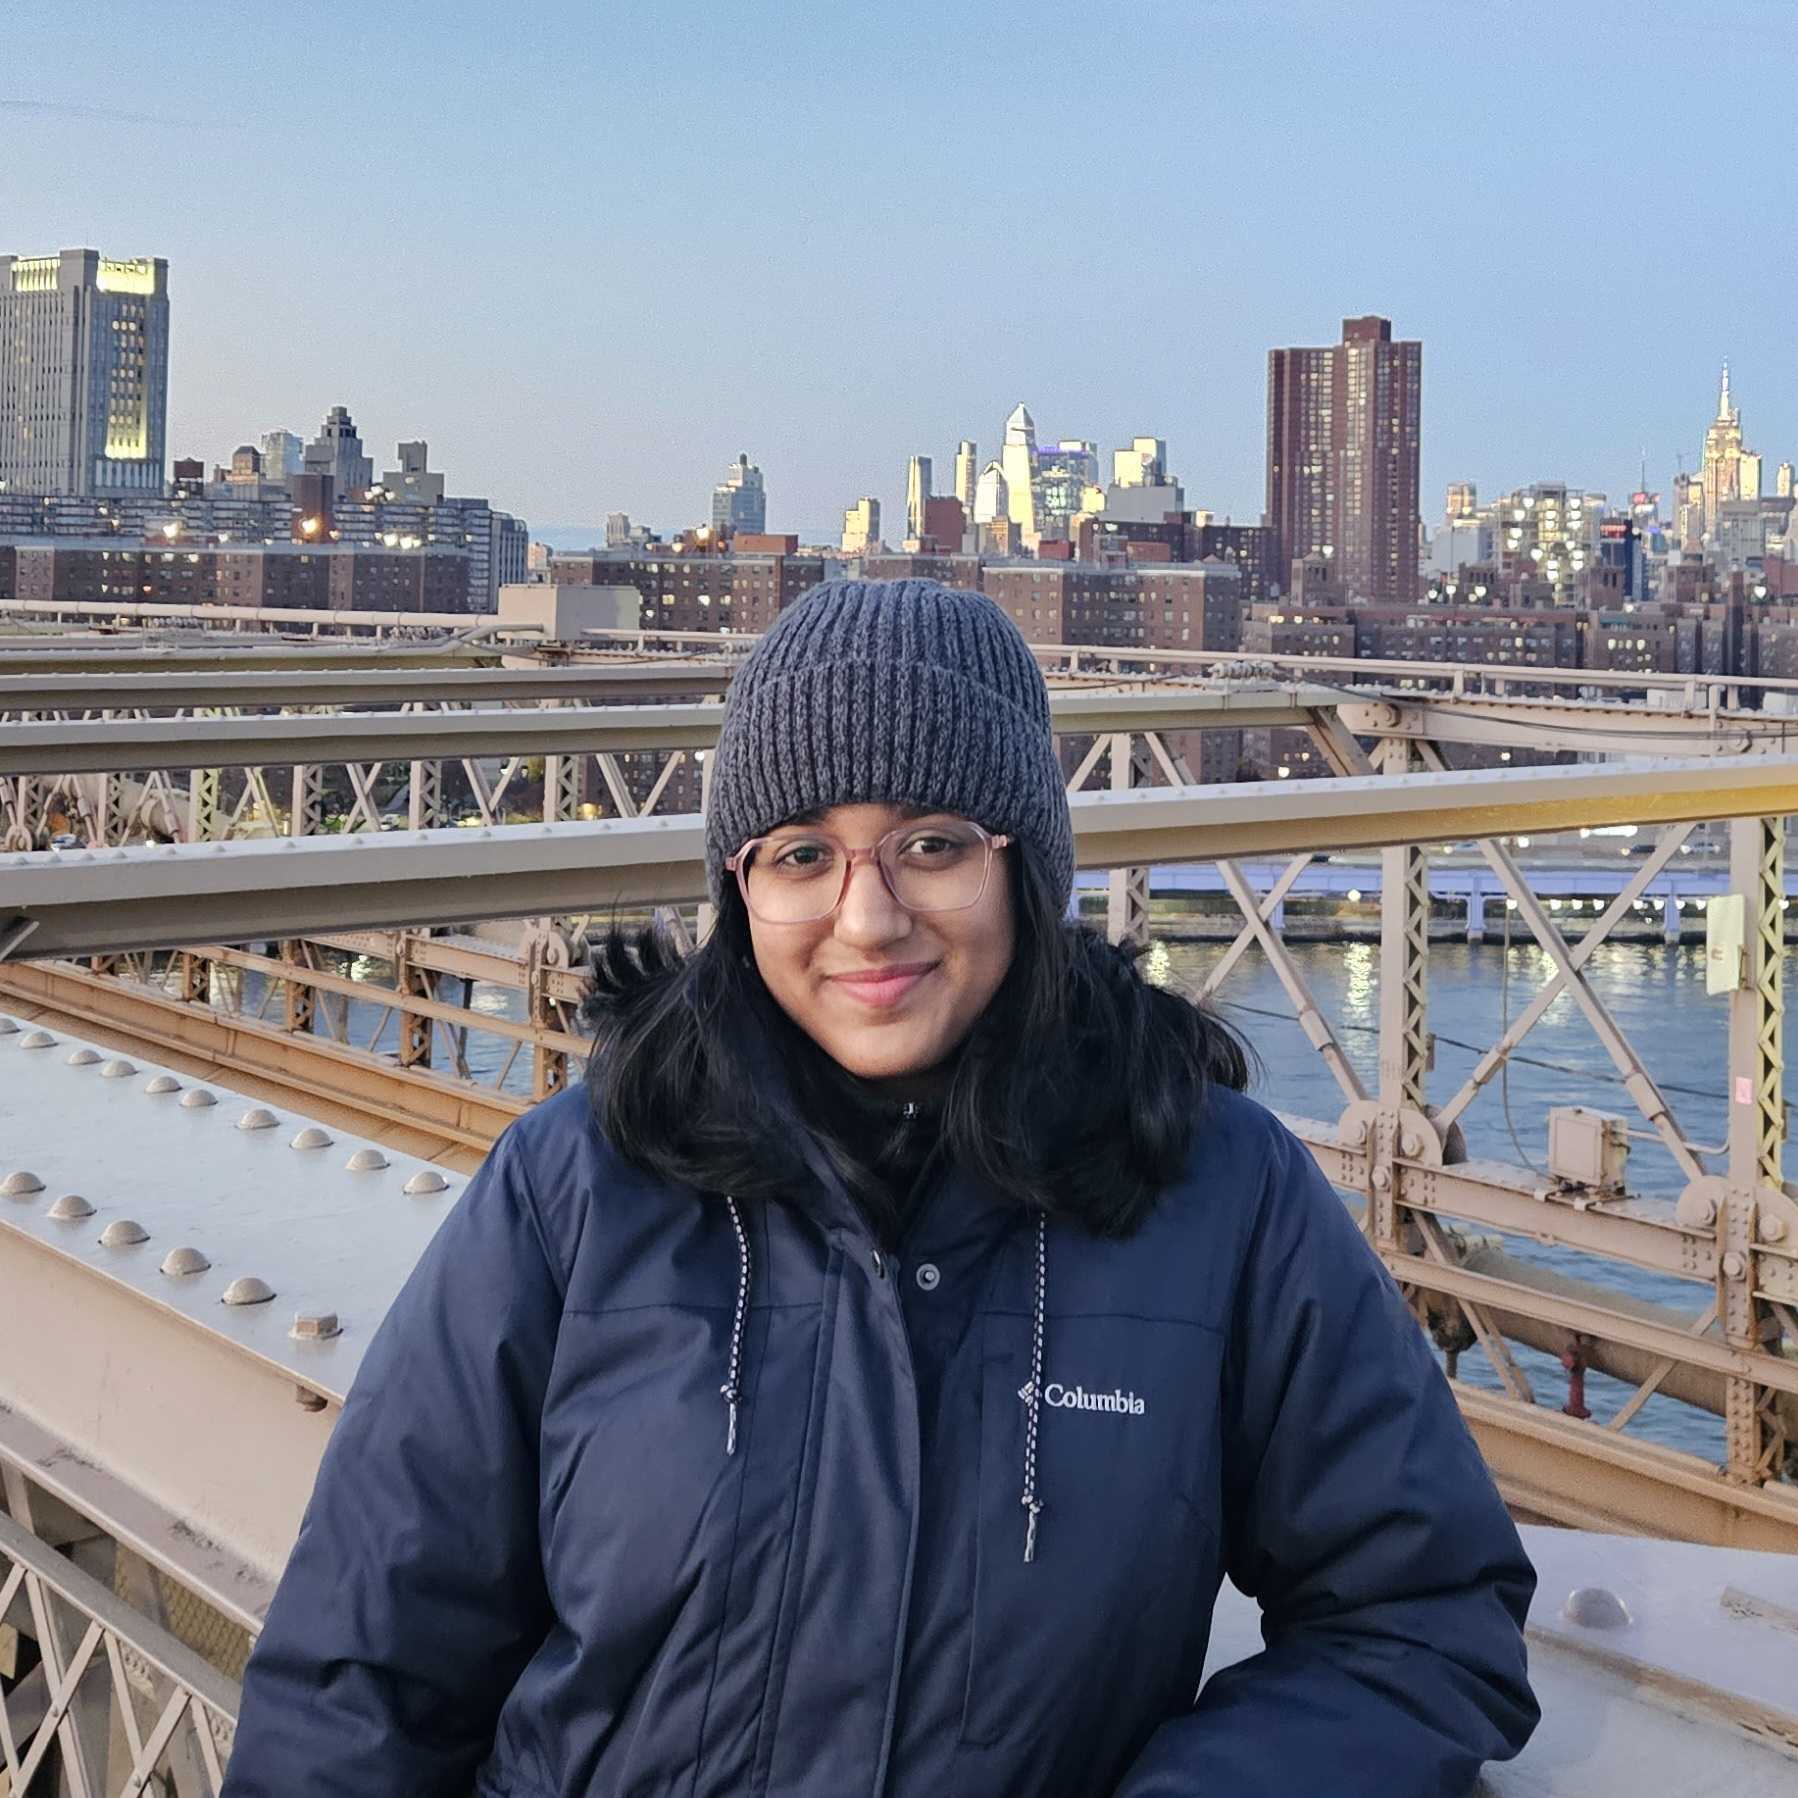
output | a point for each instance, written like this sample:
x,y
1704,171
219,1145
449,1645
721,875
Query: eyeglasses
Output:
x,y
800,875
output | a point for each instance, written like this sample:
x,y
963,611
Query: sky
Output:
x,y
591,251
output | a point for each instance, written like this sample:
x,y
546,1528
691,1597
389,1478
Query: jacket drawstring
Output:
x,y
730,1388
1034,1391
732,1392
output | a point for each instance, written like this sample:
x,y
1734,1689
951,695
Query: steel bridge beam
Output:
x,y
100,902
130,745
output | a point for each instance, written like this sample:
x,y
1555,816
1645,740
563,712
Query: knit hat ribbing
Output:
x,y
890,693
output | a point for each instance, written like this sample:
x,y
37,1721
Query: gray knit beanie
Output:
x,y
890,693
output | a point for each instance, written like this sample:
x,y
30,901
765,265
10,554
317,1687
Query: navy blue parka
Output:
x,y
531,1568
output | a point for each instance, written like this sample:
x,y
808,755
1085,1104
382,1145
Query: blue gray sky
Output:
x,y
590,251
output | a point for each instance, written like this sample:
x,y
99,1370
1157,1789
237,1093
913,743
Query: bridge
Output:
x,y
289,930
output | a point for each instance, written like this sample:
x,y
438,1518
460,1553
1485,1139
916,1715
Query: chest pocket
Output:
x,y
1107,1625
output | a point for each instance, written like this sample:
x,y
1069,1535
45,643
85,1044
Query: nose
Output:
x,y
870,917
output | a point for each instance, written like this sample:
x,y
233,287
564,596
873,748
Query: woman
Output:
x,y
864,1384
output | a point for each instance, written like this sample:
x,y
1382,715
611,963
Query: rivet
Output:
x,y
426,1180
21,1184
1411,1143
37,1039
247,1290
184,1261
365,1161
311,1138
1357,1131
83,1058
314,1326
1734,1266
122,1232
1382,1178
162,1083
1773,1229
197,1099
258,1117
70,1208
118,1069
1595,1607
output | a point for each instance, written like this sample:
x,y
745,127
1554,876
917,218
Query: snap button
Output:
x,y
929,1276
879,1262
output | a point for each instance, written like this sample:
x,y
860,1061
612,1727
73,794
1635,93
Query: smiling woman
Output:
x,y
865,1385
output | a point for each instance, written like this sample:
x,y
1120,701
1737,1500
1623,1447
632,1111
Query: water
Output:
x,y
1653,990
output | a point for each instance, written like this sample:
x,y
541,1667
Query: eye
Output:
x,y
935,844
800,855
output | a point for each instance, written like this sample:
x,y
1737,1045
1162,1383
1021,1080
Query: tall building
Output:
x,y
1343,432
337,451
1463,500
739,501
1065,475
84,373
967,473
861,527
917,496
1017,457
991,501
1727,471
283,455
1143,464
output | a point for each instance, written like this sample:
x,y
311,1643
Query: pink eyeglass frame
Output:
x,y
738,865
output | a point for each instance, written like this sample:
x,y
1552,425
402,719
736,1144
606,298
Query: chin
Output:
x,y
883,1061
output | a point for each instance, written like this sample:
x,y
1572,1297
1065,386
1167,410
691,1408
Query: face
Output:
x,y
886,993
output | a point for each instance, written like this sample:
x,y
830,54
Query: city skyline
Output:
x,y
487,313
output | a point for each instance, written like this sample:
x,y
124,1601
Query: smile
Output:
x,y
882,988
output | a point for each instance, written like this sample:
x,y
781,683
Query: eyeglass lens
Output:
x,y
932,867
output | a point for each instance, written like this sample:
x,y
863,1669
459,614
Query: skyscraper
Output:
x,y
917,496
1017,457
1343,429
283,455
337,451
739,501
84,373
991,501
861,527
967,473
1727,470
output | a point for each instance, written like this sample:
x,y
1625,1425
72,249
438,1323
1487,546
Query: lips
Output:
x,y
883,988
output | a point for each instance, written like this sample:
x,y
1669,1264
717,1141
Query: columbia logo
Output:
x,y
1077,1398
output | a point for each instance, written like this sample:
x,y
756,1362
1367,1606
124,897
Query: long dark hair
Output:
x,y
1077,1091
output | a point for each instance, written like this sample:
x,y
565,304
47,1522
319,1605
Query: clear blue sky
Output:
x,y
590,251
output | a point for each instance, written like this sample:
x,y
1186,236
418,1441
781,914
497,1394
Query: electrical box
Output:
x,y
1725,942
1587,1148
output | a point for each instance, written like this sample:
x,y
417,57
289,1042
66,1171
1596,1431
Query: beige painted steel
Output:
x,y
1592,727
96,902
123,745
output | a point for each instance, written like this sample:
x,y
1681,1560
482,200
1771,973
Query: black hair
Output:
x,y
1078,1089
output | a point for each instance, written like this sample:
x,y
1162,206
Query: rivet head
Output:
x,y
426,1180
162,1083
82,1058
1382,1178
197,1099
71,1208
1595,1607
118,1069
21,1183
37,1039
184,1261
122,1232
311,1138
366,1161
315,1326
258,1117
247,1290
1734,1266
1411,1143
1772,1229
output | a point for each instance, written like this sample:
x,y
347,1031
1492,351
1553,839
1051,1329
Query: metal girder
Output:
x,y
1590,726
275,657
120,745
105,901
662,679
